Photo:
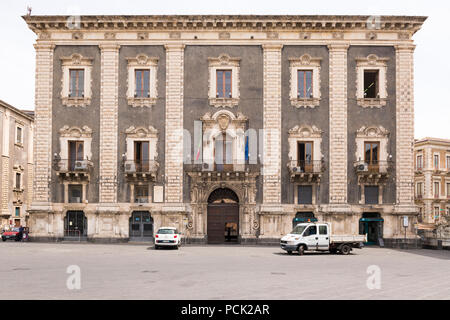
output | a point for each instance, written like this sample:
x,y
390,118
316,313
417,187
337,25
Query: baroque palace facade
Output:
x,y
231,128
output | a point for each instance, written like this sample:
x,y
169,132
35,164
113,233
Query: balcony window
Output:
x,y
305,155
76,153
17,211
75,193
372,154
19,135
448,190
448,162
142,155
18,181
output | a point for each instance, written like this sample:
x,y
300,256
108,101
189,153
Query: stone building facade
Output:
x,y
232,128
432,178
16,163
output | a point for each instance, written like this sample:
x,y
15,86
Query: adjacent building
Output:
x,y
231,128
432,178
16,163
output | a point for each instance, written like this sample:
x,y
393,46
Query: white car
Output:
x,y
167,237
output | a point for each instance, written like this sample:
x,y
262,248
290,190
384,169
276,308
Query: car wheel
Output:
x,y
4,239
301,250
345,250
156,247
289,252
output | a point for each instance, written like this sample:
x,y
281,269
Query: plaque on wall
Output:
x,y
158,194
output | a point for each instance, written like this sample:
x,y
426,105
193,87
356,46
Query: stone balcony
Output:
x,y
222,171
374,171
306,171
73,169
140,170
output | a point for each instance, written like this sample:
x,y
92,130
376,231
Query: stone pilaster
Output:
x,y
174,123
272,124
4,197
338,124
405,126
43,123
30,166
109,122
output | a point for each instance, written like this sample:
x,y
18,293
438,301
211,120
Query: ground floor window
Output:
x,y
371,194
75,193
305,194
141,194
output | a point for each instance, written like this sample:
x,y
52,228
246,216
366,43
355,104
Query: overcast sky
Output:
x,y
432,63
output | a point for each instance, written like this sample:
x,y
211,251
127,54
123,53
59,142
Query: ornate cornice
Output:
x,y
305,131
265,23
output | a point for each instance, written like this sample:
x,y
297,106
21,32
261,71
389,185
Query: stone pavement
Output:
x,y
39,271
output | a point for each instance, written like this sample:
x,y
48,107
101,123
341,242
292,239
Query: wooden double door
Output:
x,y
223,223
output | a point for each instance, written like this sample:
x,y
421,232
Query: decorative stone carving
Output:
x,y
77,35
272,35
141,132
142,35
305,132
142,62
224,61
371,62
224,35
75,132
305,35
372,132
305,62
110,36
371,36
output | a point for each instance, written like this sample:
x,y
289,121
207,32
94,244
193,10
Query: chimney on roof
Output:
x,y
29,9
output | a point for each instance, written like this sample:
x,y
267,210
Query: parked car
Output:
x,y
14,234
167,237
319,237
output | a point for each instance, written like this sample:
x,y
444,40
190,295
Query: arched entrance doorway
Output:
x,y
75,224
141,226
371,224
223,217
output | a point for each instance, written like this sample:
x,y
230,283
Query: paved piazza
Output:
x,y
39,271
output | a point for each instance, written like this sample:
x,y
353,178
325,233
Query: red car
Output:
x,y
14,234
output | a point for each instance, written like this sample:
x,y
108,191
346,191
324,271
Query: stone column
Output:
x,y
405,125
174,123
272,124
30,162
109,122
43,123
405,128
5,164
338,124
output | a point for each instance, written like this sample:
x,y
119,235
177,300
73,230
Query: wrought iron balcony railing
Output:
x,y
65,165
214,167
373,167
140,167
298,167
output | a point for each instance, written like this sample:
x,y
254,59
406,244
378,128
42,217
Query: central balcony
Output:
x,y
146,169
222,171
306,170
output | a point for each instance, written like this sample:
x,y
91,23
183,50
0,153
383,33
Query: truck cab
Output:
x,y
318,237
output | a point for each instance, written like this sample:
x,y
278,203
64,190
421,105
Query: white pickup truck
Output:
x,y
318,237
